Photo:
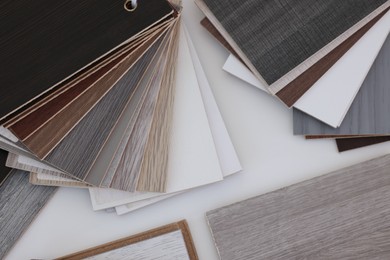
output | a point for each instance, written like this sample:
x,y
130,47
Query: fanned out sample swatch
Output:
x,y
346,144
369,113
19,205
48,41
341,215
278,50
336,86
168,242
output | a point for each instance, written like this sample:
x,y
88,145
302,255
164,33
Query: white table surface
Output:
x,y
261,130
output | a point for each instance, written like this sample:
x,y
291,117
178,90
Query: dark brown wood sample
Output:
x,y
4,170
20,203
44,42
346,144
178,226
42,141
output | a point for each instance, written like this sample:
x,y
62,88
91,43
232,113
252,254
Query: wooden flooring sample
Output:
x,y
43,46
42,141
20,203
346,144
26,125
369,112
77,152
341,215
292,36
172,241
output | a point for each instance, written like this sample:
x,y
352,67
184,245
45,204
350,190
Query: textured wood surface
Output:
x,y
369,112
20,203
77,152
341,215
153,172
42,141
43,46
119,247
290,43
298,87
49,107
346,144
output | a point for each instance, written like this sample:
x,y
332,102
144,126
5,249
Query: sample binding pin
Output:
x,y
130,5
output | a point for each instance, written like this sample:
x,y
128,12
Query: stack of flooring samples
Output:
x,y
327,60
113,100
172,241
341,215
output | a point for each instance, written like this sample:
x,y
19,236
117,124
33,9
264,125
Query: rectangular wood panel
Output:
x,y
42,47
172,241
20,203
346,144
368,114
4,170
335,216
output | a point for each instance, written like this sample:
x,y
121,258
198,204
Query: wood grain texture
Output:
x,y
341,215
42,141
77,152
298,87
20,203
181,226
49,107
49,47
368,114
294,41
154,168
346,144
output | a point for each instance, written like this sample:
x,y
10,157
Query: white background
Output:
x,y
261,130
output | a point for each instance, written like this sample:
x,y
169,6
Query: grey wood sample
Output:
x,y
77,152
369,112
172,241
341,215
20,203
277,37
41,46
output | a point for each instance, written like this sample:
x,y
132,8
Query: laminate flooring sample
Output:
x,y
279,40
346,144
172,241
341,215
20,203
4,170
77,152
369,112
42,46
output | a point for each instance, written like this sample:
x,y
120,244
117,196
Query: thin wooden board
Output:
x,y
368,114
153,244
341,215
20,203
44,33
347,144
